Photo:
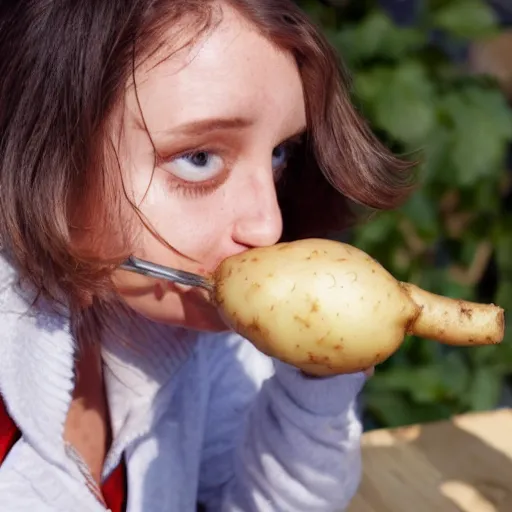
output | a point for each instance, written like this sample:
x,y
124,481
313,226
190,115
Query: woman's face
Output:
x,y
223,116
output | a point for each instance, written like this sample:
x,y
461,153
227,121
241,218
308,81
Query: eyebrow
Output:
x,y
210,125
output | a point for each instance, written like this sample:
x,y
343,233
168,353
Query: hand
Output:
x,y
369,373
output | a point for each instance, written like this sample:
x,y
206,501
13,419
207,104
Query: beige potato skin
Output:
x,y
316,304
455,322
328,307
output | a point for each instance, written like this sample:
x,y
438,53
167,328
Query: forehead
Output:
x,y
231,71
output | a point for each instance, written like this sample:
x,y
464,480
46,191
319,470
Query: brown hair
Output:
x,y
63,68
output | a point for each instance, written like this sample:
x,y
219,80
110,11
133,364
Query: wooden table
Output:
x,y
453,466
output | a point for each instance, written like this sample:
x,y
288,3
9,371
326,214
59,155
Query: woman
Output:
x,y
182,132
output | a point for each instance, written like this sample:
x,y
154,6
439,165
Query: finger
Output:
x,y
370,371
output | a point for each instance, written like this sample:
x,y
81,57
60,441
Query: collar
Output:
x,y
37,354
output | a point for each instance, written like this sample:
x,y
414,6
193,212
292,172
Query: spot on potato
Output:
x,y
323,338
312,358
302,321
315,306
255,325
466,312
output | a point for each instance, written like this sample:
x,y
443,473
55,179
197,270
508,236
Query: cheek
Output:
x,y
196,227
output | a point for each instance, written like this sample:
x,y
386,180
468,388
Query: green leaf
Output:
x,y
503,252
455,374
400,42
485,389
485,196
394,410
369,84
439,166
482,127
421,211
403,106
363,41
320,13
390,408
427,385
450,288
423,384
467,19
401,378
377,36
376,231
504,293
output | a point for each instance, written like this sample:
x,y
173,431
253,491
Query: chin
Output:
x,y
190,310
166,303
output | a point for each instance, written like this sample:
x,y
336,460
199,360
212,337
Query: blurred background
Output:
x,y
434,78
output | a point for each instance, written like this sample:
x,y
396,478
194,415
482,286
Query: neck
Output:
x,y
87,427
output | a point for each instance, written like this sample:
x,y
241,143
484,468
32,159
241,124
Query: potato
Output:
x,y
327,307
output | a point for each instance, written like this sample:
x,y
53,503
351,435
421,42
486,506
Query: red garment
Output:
x,y
114,488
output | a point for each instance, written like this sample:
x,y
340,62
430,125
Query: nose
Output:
x,y
258,221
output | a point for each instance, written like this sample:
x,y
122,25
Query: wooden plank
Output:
x,y
463,465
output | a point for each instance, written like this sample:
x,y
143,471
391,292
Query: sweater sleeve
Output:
x,y
277,441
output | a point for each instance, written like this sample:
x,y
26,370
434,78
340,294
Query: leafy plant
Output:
x,y
455,233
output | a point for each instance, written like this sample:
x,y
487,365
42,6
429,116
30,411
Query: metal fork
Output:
x,y
146,268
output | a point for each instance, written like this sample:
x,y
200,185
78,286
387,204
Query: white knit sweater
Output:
x,y
198,417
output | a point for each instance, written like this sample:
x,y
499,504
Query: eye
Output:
x,y
196,167
280,156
